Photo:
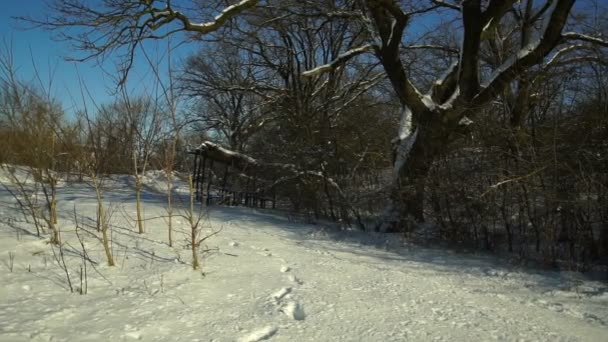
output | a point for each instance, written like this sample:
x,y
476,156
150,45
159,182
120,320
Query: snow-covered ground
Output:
x,y
264,277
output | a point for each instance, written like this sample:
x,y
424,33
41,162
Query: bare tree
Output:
x,y
225,90
33,120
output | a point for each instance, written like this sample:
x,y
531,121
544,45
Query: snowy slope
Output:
x,y
265,278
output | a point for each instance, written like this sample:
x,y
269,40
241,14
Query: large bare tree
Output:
x,y
429,118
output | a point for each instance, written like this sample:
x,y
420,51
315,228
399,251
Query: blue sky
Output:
x,y
35,52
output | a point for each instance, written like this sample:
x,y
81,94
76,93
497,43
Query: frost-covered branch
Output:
x,y
585,38
343,58
445,83
204,28
557,56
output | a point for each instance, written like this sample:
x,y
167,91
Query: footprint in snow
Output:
x,y
260,334
294,311
132,332
295,279
133,335
281,293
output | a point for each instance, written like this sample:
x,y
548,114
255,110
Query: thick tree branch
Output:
x,y
469,56
343,58
530,55
204,28
390,21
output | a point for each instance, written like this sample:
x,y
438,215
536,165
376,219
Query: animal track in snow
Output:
x,y
260,334
281,293
295,279
294,311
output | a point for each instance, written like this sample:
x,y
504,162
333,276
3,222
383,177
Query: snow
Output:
x,y
445,75
208,145
405,123
266,278
488,25
405,140
450,102
427,100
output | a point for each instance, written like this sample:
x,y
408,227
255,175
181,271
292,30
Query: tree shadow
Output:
x,y
379,248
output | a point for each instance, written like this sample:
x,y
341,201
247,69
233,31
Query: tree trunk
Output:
x,y
407,195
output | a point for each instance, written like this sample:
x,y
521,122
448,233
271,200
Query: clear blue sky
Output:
x,y
35,50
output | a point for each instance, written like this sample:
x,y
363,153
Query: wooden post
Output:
x,y
254,194
224,181
199,189
209,179
247,191
195,172
274,193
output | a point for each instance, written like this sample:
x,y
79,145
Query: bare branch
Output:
x,y
446,4
120,26
432,47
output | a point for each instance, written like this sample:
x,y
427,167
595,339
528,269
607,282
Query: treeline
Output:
x,y
35,131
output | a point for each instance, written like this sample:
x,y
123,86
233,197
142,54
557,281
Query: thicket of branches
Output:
x,y
487,118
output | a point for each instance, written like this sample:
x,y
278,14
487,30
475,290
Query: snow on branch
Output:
x,y
585,38
228,13
445,82
556,58
216,152
343,58
245,163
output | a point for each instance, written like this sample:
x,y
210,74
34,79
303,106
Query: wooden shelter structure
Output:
x,y
221,176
